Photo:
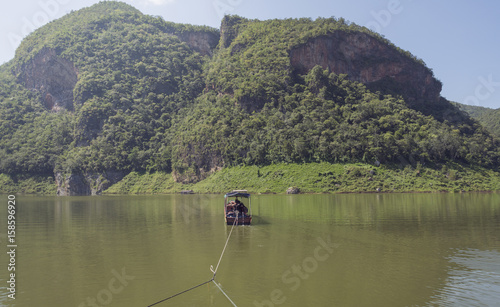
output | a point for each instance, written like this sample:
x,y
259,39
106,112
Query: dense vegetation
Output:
x,y
134,75
324,117
145,101
489,118
259,111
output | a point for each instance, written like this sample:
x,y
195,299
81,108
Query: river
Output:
x,y
301,250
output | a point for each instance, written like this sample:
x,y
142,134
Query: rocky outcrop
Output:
x,y
71,184
202,42
293,190
52,76
193,175
229,29
368,60
74,184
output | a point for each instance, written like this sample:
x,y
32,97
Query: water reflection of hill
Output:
x,y
375,210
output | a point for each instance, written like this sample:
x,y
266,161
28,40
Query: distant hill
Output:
x,y
107,90
489,118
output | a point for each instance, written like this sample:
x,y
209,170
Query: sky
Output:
x,y
458,39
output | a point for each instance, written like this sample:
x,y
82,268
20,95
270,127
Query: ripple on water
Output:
x,y
474,280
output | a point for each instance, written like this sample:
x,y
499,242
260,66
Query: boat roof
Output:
x,y
238,193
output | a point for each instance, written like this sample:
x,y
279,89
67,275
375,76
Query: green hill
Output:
x,y
95,90
262,108
106,90
489,118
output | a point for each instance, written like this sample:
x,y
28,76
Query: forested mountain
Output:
x,y
96,90
107,90
489,118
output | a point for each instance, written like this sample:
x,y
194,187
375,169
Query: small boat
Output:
x,y
235,210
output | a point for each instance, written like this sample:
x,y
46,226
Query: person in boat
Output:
x,y
240,207
230,208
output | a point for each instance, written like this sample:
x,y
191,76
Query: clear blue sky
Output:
x,y
458,39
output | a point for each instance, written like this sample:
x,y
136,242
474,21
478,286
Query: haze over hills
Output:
x,y
489,118
107,90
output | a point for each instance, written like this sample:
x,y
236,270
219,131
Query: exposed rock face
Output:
x,y
71,185
293,190
55,78
368,60
52,76
85,184
199,173
202,42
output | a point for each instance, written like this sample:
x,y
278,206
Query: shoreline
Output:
x,y
267,193
309,178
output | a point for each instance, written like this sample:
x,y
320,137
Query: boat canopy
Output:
x,y
237,194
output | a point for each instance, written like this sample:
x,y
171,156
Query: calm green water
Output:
x,y
302,250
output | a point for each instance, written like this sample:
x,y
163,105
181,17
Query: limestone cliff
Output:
x,y
52,76
202,42
85,183
368,60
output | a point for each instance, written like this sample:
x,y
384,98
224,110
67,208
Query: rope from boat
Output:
x,y
211,269
218,286
224,249
170,297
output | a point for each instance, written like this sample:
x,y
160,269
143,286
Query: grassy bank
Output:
x,y
309,178
321,178
27,185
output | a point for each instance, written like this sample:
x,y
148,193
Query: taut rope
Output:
x,y
211,269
